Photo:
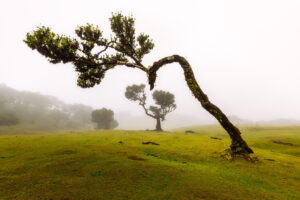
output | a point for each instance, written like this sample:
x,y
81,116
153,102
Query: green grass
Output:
x,y
94,165
27,129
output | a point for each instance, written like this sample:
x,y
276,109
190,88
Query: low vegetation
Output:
x,y
169,165
40,112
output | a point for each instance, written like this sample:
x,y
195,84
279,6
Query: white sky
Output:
x,y
245,54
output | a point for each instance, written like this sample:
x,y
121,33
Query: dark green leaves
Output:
x,y
155,110
55,47
146,45
136,92
123,27
114,59
104,118
92,54
91,77
163,98
90,33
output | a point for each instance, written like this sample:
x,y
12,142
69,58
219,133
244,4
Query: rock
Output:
x,y
216,138
189,131
283,143
150,143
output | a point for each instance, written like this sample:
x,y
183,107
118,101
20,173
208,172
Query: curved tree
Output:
x,y
124,48
104,118
164,100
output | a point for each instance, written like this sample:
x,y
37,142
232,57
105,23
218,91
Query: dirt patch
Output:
x,y
268,159
64,152
283,143
154,143
136,158
189,131
215,138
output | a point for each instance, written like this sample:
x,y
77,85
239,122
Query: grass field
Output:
x,y
95,165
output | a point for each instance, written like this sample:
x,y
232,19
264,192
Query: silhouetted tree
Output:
x,y
124,48
165,101
104,118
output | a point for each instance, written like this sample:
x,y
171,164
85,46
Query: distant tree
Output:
x,y
80,113
8,119
104,118
45,112
164,100
93,55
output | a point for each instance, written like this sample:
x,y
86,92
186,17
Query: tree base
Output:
x,y
239,146
231,155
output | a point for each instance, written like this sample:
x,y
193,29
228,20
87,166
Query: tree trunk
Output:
x,y
158,124
238,145
106,126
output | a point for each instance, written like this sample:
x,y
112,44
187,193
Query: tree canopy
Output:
x,y
127,48
104,118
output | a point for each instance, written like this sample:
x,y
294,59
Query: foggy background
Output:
x,y
245,56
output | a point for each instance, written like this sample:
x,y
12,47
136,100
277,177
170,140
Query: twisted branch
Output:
x,y
238,144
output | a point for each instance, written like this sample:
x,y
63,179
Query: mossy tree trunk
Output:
x,y
238,145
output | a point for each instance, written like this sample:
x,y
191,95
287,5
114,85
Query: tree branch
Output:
x,y
146,110
133,65
102,51
129,55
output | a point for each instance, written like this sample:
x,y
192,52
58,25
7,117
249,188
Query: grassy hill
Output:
x,y
96,165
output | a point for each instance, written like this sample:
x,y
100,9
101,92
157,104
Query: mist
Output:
x,y
245,55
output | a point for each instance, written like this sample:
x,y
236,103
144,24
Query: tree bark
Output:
x,y
238,145
158,124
